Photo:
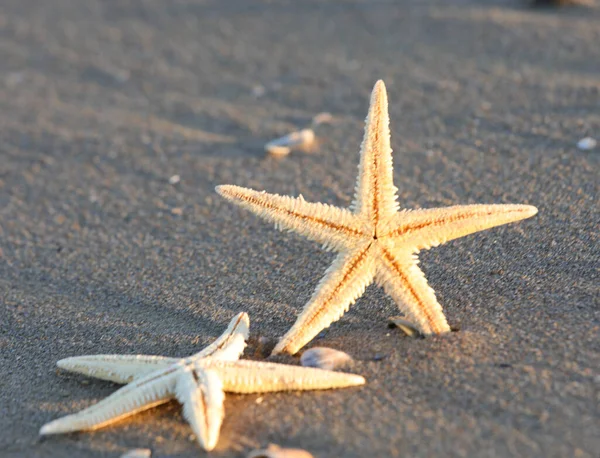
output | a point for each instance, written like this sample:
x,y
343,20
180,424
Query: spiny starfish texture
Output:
x,y
375,241
198,382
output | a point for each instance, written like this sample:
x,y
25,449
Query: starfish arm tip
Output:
x,y
210,442
281,348
222,189
531,210
357,380
230,345
66,363
212,438
201,393
51,428
519,211
244,317
231,191
379,92
287,346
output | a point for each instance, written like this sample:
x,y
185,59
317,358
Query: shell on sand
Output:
x,y
274,451
322,118
406,326
283,145
324,358
587,143
137,453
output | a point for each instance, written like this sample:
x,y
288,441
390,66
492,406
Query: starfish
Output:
x,y
197,382
376,241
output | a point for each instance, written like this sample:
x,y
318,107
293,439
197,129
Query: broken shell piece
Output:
x,y
283,145
409,329
137,453
322,118
278,151
274,451
324,358
258,91
587,143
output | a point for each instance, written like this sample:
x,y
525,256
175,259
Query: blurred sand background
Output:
x,y
101,102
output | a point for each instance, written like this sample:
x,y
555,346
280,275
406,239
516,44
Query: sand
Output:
x,y
101,103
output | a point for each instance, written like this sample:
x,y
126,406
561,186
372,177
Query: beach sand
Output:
x,y
102,102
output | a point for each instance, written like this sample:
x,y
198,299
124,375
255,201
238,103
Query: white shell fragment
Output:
x,y
276,150
325,358
283,145
258,91
587,143
406,326
137,453
174,179
322,118
274,451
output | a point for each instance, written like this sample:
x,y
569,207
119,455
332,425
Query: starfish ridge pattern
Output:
x,y
197,382
375,240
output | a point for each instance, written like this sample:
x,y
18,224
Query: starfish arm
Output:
x,y
142,394
230,345
331,226
344,282
375,196
406,284
423,229
246,376
116,368
201,394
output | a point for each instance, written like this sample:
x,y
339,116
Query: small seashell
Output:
x,y
283,145
324,358
137,453
258,91
174,179
274,451
275,150
587,143
409,329
322,118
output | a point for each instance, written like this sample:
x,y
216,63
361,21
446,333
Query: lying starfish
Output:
x,y
197,382
375,241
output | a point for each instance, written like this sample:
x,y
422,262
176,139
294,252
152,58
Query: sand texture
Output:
x,y
102,102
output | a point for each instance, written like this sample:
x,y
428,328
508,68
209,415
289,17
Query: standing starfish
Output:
x,y
197,382
375,241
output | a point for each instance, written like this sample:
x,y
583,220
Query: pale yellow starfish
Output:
x,y
375,241
197,382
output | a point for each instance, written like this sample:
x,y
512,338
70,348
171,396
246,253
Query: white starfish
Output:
x,y
197,382
375,241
